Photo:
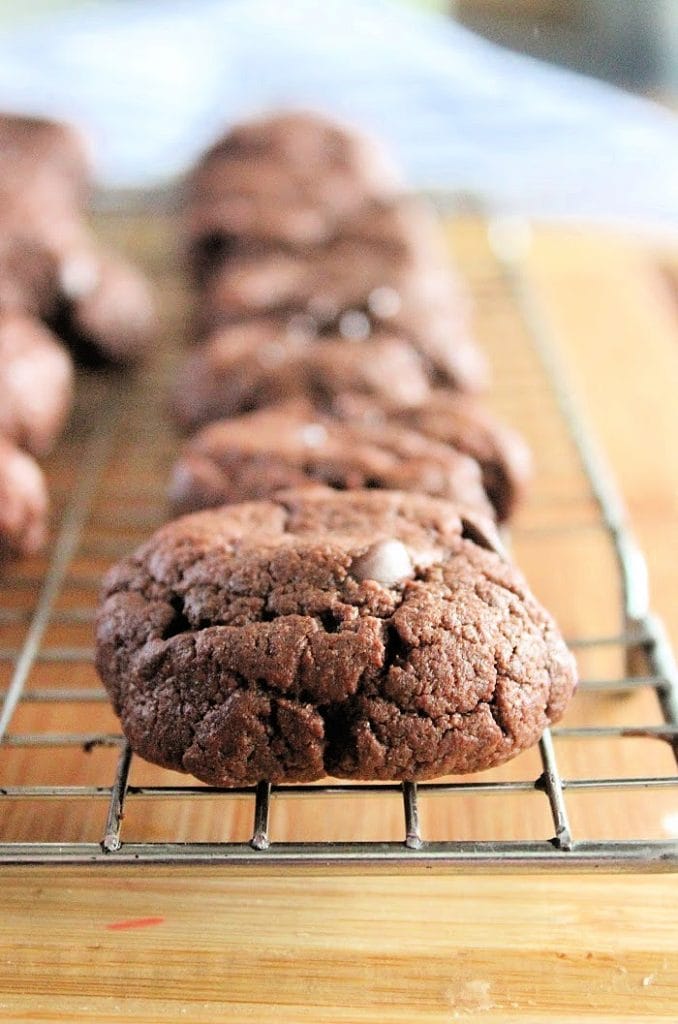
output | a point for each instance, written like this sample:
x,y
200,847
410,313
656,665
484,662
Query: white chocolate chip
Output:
x,y
384,302
313,434
78,276
354,325
387,562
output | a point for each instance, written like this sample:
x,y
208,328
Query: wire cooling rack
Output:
x,y
598,792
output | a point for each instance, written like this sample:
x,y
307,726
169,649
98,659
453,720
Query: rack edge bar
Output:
x,y
586,856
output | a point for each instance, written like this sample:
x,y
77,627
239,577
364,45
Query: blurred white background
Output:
x,y
154,80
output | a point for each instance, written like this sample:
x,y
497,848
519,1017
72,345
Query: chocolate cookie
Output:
x,y
305,148
263,362
364,634
323,282
23,502
350,288
36,153
292,445
29,275
235,225
97,303
240,224
469,427
50,264
501,452
36,383
309,141
107,313
260,202
285,180
44,184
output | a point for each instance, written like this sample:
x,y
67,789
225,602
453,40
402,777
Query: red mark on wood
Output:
x,y
134,922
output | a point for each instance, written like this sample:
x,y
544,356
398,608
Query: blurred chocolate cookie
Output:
x,y
106,312
308,143
23,502
38,155
351,289
294,445
288,179
29,275
468,426
264,361
271,219
50,264
36,383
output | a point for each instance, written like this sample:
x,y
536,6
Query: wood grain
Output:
x,y
336,948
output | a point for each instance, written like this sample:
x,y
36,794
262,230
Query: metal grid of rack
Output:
x,y
72,792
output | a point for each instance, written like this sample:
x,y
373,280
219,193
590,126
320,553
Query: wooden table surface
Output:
x,y
201,944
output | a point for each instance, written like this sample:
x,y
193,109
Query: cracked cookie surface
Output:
x,y
365,634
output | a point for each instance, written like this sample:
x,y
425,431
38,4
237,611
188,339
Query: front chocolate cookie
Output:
x,y
360,634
